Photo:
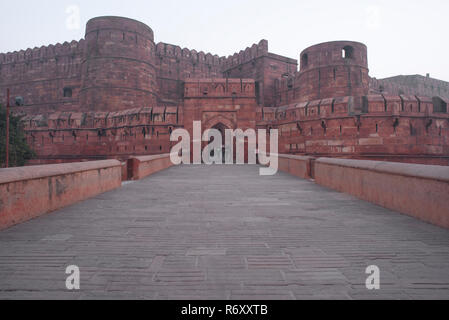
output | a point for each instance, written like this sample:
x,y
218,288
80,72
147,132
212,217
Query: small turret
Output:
x,y
334,69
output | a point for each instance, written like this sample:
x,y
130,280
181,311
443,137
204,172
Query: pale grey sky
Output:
x,y
403,37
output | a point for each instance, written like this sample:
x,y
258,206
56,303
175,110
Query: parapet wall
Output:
x,y
302,167
29,192
142,167
420,191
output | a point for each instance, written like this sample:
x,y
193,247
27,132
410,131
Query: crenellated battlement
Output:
x,y
378,105
245,56
169,50
44,52
102,120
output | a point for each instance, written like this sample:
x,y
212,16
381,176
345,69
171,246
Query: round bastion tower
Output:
x,y
118,72
334,69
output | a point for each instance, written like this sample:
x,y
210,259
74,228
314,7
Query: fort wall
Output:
x,y
67,137
410,85
117,94
392,128
174,65
40,75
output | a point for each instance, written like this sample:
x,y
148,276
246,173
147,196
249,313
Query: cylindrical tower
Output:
x,y
118,69
334,69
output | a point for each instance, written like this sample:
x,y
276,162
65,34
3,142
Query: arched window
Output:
x,y
347,52
439,105
304,60
67,92
19,101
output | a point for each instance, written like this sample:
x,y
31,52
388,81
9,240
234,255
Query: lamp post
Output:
x,y
7,128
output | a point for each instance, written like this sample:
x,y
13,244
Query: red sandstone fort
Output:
x,y
116,93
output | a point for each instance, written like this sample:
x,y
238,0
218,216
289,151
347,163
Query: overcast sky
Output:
x,y
403,37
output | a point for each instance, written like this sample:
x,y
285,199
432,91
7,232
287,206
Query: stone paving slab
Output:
x,y
224,232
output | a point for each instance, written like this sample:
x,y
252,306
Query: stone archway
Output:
x,y
220,119
223,150
220,122
222,128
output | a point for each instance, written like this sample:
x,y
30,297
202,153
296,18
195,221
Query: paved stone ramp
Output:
x,y
224,232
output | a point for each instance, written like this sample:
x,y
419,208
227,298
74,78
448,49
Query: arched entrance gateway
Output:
x,y
220,150
223,150
221,124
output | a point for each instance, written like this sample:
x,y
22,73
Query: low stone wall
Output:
x,y
141,167
28,192
299,166
421,191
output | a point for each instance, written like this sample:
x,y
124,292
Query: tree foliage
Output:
x,y
19,151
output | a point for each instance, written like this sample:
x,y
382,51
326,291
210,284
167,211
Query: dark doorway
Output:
x,y
222,128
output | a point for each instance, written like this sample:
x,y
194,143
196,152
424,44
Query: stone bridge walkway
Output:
x,y
224,232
